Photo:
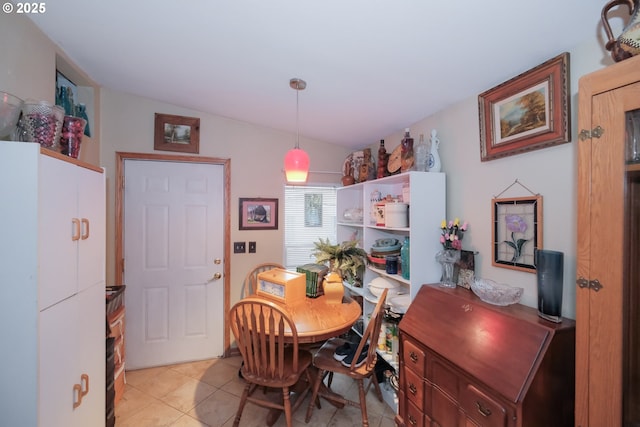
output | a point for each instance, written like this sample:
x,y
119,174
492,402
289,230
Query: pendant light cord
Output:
x,y
297,115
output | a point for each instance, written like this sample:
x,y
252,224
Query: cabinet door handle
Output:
x,y
413,389
485,412
413,357
76,229
77,395
85,228
412,420
84,381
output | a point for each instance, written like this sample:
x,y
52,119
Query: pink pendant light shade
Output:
x,y
296,161
296,165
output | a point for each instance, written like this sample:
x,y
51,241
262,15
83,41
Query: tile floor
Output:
x,y
207,393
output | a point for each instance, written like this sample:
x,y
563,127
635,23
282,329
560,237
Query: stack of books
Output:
x,y
315,275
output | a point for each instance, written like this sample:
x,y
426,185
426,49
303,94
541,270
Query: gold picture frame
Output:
x,y
528,112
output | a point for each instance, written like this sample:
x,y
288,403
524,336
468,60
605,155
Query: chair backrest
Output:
x,y
251,280
371,334
259,327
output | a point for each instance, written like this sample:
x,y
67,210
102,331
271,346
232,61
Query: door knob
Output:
x,y
216,276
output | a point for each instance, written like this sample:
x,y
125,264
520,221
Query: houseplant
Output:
x,y
346,258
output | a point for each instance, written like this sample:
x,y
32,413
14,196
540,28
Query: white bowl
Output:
x,y
379,284
496,293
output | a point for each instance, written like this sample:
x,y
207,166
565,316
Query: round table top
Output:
x,y
318,320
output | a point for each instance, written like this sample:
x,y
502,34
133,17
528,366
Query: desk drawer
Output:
x,y
480,407
413,357
414,388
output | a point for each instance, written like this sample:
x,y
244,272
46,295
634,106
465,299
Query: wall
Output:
x,y
471,184
256,155
27,70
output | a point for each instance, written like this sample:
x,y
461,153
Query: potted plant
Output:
x,y
346,259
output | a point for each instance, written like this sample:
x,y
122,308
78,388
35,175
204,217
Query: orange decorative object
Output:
x,y
333,289
296,165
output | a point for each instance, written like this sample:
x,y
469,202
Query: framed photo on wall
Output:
x,y
176,133
517,232
258,214
529,112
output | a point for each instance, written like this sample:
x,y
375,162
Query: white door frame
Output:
x,y
119,210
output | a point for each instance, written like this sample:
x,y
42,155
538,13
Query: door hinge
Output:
x,y
596,132
591,284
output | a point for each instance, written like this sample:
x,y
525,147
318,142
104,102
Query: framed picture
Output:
x,y
517,232
258,214
176,133
464,270
528,112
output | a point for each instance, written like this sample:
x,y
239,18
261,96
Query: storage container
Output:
x,y
396,215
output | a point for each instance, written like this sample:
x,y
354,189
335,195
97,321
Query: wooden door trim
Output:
x,y
119,220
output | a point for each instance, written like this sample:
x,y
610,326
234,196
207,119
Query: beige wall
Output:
x,y
256,155
28,71
471,184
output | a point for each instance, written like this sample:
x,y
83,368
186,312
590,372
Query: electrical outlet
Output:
x,y
252,247
239,247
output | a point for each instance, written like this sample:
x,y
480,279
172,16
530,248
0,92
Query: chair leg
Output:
x,y
363,403
314,395
287,405
243,401
374,380
330,380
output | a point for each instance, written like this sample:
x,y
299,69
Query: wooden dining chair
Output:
x,y
326,363
259,327
251,280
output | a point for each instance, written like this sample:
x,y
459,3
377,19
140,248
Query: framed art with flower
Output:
x,y
517,232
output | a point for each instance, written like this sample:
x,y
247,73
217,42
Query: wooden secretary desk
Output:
x,y
466,363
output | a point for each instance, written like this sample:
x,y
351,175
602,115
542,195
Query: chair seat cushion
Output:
x,y
289,377
323,359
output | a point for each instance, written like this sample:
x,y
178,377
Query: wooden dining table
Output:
x,y
318,320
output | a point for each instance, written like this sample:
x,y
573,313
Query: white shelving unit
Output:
x,y
427,209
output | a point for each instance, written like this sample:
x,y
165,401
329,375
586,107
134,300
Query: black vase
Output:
x,y
550,272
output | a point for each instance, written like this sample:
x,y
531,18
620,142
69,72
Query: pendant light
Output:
x,y
296,161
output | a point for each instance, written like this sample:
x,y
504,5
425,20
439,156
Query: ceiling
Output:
x,y
372,67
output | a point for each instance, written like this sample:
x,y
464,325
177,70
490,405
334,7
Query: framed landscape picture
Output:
x,y
258,214
176,133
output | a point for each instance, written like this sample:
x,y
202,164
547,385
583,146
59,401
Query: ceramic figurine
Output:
x,y
434,157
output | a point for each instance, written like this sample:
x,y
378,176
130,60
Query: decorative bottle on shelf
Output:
x,y
382,160
404,258
406,152
421,155
434,157
81,111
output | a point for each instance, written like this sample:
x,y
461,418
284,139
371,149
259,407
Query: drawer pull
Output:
x,y
413,357
413,389
485,412
412,420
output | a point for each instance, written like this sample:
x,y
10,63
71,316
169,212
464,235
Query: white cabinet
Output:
x,y
427,209
52,258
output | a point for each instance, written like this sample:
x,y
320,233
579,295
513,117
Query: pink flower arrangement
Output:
x,y
452,233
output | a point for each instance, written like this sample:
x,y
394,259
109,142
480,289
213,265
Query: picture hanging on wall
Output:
x,y
258,214
528,112
517,232
176,133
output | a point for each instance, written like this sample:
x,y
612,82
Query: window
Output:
x,y
309,214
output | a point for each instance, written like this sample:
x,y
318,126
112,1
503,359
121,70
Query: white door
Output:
x,y
173,253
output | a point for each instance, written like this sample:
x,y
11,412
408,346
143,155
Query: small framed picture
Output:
x,y
176,133
517,232
258,214
464,269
